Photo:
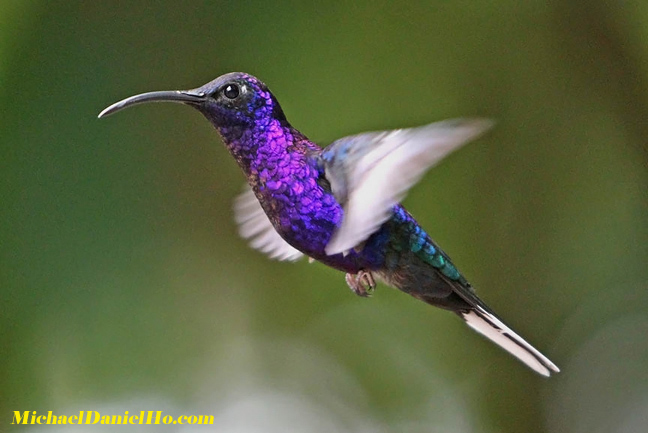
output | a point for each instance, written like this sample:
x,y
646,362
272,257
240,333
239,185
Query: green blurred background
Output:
x,y
124,285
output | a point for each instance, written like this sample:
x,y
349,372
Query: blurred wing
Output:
x,y
370,173
255,226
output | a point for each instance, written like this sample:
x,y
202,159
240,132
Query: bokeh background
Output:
x,y
124,285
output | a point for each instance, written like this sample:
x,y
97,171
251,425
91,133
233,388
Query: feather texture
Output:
x,y
370,173
255,226
492,328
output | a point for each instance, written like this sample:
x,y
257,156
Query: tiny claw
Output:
x,y
362,283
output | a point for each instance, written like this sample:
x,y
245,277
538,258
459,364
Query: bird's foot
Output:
x,y
362,283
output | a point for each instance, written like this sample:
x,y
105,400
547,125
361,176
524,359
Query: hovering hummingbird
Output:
x,y
340,205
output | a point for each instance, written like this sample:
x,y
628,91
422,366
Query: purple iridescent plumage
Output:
x,y
284,169
284,177
281,166
340,205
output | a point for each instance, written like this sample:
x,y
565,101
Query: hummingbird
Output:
x,y
341,205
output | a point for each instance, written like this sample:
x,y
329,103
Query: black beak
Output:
x,y
184,96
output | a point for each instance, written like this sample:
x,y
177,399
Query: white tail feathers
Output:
x,y
492,328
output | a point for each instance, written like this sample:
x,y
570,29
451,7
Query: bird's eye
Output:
x,y
231,91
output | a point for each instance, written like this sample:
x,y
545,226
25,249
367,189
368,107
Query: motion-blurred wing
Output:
x,y
370,173
255,226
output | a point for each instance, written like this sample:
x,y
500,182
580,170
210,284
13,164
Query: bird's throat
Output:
x,y
264,151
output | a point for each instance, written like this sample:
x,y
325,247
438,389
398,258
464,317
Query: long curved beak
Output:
x,y
184,96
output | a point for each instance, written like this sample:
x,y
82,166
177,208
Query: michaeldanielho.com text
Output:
x,y
85,417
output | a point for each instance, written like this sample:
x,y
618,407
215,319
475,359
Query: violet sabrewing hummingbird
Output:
x,y
340,205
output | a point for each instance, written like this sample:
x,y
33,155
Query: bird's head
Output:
x,y
234,99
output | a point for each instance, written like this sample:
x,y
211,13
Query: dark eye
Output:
x,y
231,91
